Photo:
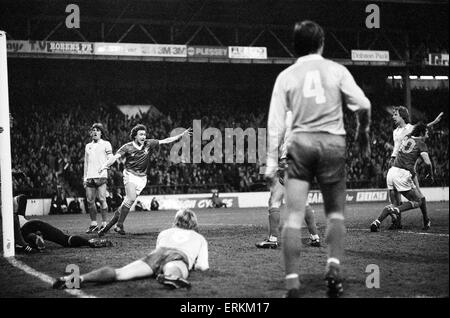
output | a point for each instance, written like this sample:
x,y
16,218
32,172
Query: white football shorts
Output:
x,y
400,179
139,181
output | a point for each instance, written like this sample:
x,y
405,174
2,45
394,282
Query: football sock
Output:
x,y
92,208
310,221
335,238
124,209
384,214
407,206
274,221
113,220
332,262
423,209
77,241
105,274
292,281
104,212
292,241
93,223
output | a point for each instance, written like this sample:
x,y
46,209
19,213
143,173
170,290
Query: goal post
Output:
x,y
5,155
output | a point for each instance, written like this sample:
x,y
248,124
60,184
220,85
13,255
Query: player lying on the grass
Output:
x,y
136,154
276,200
178,250
30,235
400,178
401,118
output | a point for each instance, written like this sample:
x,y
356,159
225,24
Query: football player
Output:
x,y
403,128
30,235
96,153
178,250
136,154
400,178
276,200
314,89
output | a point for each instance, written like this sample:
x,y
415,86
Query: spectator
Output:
x,y
74,206
154,205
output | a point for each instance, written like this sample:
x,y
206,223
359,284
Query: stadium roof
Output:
x,y
405,24
395,14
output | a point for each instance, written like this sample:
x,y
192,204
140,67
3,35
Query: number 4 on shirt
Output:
x,y
312,87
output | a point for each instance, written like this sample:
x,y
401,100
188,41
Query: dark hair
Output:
x,y
309,37
100,127
420,129
135,130
403,113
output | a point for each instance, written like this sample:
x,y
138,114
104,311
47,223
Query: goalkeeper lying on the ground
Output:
x,y
30,235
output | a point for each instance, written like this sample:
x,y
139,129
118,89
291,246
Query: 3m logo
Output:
x,y
371,196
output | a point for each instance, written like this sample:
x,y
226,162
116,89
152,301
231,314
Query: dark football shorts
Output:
x,y
320,155
163,255
96,182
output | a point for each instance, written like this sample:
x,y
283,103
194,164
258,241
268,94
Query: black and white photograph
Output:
x,y
219,156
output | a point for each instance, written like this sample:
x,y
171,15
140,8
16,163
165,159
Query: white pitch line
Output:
x,y
349,229
406,232
424,233
45,278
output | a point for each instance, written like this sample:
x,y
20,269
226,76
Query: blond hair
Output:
x,y
186,219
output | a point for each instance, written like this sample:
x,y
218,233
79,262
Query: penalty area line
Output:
x,y
45,278
406,232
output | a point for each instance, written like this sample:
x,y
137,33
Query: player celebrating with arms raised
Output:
x,y
400,115
400,181
136,154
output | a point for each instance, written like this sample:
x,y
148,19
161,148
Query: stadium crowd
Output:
x,y
48,140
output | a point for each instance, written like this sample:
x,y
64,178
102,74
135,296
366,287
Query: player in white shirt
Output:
x,y
96,153
401,118
178,250
314,89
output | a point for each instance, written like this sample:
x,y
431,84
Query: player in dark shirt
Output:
x,y
136,154
30,235
400,178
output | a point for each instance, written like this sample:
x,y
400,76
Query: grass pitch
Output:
x,y
412,263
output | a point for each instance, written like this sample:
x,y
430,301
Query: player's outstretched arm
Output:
x,y
175,138
109,162
436,120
